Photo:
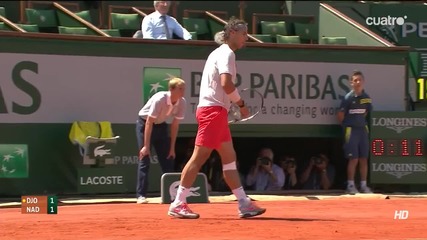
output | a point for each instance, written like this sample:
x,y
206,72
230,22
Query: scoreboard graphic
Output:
x,y
39,205
398,148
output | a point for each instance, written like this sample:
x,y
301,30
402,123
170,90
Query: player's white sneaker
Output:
x,y
249,209
141,200
182,211
351,189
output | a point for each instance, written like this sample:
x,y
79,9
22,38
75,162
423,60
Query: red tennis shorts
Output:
x,y
213,126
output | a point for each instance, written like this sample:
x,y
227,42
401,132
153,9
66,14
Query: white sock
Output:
x,y
181,195
240,195
350,183
363,184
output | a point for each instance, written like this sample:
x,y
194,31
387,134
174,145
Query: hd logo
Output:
x,y
13,161
156,79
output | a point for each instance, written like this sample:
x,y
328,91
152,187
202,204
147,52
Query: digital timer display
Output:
x,y
397,147
398,142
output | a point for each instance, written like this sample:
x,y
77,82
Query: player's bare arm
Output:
x,y
228,86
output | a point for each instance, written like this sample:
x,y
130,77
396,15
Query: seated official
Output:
x,y
159,25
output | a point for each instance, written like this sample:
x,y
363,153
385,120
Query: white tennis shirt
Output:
x,y
221,60
160,107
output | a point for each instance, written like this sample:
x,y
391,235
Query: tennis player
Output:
x,y
216,91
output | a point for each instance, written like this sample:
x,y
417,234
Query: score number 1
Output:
x,y
421,89
52,205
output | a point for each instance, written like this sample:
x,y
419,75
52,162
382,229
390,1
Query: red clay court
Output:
x,y
334,218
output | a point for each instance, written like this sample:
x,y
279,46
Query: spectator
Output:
x,y
289,166
265,175
159,25
319,174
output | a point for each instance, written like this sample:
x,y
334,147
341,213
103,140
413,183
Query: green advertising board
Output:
x,y
156,79
398,148
118,177
198,191
13,161
106,180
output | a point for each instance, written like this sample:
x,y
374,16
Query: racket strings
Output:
x,y
254,101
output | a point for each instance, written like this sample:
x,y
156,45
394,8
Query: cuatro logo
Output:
x,y
385,21
156,79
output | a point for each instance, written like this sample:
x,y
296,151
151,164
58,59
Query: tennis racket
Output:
x,y
254,101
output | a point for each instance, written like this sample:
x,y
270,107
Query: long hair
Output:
x,y
233,24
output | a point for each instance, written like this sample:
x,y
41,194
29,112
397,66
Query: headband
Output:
x,y
240,26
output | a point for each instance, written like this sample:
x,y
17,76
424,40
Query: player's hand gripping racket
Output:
x,y
254,101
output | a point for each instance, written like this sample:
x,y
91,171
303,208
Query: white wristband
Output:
x,y
234,96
